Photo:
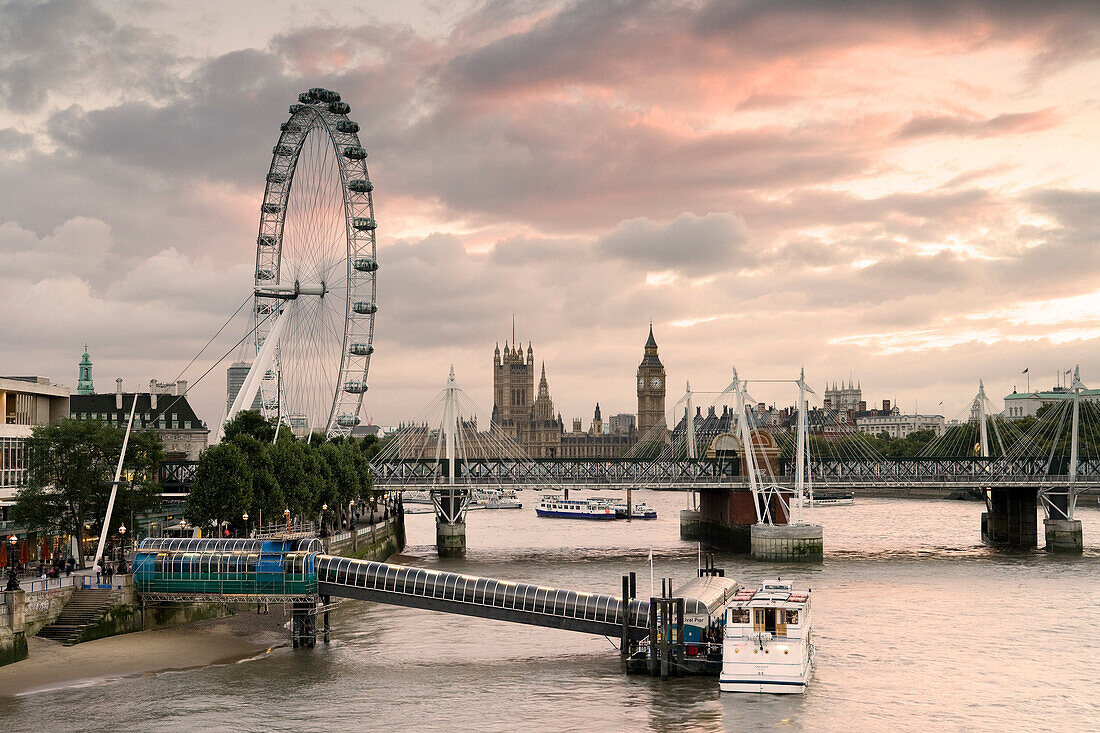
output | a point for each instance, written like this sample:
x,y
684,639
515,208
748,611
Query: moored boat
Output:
x,y
767,645
830,498
561,508
638,510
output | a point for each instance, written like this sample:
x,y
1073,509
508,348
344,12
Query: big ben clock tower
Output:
x,y
651,388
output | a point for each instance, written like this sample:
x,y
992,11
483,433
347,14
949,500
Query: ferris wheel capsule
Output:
x,y
347,126
358,185
364,308
339,108
354,152
366,264
360,349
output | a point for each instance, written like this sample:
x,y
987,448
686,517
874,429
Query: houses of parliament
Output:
x,y
527,417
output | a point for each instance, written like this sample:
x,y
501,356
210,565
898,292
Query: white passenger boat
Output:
x,y
832,498
494,499
767,645
557,506
638,510
420,502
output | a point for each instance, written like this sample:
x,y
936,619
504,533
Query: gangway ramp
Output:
x,y
504,600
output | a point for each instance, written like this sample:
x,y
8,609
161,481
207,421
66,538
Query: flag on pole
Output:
x,y
1068,371
1025,371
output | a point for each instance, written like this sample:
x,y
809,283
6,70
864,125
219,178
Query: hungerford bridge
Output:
x,y
760,491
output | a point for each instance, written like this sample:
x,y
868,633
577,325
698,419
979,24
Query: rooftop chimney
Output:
x,y
152,394
118,393
886,405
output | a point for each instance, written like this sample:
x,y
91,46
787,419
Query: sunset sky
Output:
x,y
903,193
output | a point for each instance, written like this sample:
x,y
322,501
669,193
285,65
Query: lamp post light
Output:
x,y
351,515
324,511
245,518
122,542
286,515
13,576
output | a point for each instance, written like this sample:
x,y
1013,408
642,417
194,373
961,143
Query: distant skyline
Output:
x,y
901,192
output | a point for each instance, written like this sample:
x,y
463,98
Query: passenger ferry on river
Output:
x,y
557,506
638,510
832,498
767,646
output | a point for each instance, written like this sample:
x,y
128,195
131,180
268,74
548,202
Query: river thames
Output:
x,y
917,626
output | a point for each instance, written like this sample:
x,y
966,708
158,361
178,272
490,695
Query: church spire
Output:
x,y
84,383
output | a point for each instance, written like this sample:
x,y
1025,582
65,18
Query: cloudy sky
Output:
x,y
905,193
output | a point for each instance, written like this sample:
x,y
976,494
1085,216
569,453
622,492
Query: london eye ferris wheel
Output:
x,y
315,282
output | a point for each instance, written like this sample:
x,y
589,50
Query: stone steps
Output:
x,y
84,609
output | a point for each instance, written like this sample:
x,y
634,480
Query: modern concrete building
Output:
x,y
164,408
24,403
234,380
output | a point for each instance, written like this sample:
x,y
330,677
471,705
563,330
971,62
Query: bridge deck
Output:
x,y
504,600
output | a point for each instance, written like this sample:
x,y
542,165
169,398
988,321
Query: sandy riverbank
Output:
x,y
217,641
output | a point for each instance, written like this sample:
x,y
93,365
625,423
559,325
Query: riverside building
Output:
x,y
24,403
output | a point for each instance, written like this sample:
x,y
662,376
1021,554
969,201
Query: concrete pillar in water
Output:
x,y
787,542
450,539
1064,535
690,525
1012,517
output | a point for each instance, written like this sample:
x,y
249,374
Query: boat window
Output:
x,y
792,617
739,616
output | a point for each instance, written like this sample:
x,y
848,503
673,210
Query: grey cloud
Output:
x,y
61,46
14,141
1006,124
689,244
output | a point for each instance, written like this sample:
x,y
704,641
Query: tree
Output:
x,y
267,496
70,464
222,489
250,422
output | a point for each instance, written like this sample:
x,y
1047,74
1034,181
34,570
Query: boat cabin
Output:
x,y
775,608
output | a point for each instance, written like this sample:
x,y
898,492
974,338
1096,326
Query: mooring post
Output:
x,y
624,643
666,628
653,637
327,629
679,636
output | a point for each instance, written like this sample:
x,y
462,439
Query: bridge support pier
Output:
x,y
787,542
691,525
450,538
1012,517
1064,535
303,626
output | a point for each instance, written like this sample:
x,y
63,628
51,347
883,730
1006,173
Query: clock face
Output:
x,y
656,383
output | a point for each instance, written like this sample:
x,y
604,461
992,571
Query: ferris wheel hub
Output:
x,y
291,292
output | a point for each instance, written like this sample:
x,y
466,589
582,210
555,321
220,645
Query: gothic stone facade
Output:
x,y
527,417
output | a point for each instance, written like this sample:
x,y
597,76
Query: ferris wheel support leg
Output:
x,y
259,367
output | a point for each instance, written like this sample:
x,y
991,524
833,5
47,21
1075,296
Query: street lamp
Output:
x,y
13,577
122,542
351,515
324,510
286,515
245,518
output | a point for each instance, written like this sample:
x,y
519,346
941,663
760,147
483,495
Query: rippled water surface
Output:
x,y
918,626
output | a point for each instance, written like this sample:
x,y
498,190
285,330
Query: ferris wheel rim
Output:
x,y
321,112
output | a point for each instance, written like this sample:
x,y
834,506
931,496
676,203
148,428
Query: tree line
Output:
x,y
251,472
